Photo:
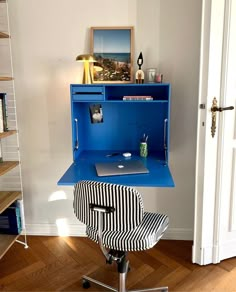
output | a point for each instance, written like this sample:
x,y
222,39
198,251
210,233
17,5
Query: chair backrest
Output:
x,y
127,202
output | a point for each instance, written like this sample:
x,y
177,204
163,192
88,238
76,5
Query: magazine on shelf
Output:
x,y
137,97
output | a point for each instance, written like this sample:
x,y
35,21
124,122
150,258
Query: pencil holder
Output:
x,y
143,149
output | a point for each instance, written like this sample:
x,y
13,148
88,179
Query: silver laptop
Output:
x,y
120,168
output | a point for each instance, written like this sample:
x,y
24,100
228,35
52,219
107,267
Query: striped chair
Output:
x,y
115,219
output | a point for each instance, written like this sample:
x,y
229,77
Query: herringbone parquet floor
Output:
x,y
57,264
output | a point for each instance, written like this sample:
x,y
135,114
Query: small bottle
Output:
x,y
159,78
143,149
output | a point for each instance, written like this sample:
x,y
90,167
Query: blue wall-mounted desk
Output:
x,y
84,169
124,123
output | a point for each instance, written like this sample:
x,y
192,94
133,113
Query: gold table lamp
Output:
x,y
86,59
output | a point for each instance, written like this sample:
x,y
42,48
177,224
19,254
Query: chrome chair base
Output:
x,y
87,280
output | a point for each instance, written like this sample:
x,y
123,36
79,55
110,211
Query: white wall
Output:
x,y
179,61
148,32
46,38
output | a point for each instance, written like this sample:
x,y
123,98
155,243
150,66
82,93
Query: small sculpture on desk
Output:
x,y
139,76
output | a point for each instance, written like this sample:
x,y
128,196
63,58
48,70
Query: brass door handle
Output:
x,y
221,109
215,109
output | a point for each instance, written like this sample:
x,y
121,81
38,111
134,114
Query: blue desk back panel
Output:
x,y
122,127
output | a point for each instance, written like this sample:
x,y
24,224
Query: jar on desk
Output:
x,y
143,149
151,75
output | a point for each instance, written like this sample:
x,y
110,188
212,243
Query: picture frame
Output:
x,y
113,48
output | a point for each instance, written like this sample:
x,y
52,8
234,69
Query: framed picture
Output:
x,y
113,49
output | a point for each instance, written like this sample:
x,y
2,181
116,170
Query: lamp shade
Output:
x,y
86,58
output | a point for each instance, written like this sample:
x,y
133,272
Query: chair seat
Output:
x,y
143,237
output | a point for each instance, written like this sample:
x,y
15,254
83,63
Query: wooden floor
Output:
x,y
57,264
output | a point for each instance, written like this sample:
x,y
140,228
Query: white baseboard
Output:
x,y
79,230
178,234
53,230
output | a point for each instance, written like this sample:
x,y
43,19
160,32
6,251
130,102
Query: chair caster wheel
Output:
x,y
85,284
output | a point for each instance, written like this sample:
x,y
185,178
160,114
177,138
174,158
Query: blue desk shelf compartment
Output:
x,y
124,123
159,92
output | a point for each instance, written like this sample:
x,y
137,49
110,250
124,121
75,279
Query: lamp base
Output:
x,y
87,76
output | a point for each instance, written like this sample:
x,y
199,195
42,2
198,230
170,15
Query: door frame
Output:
x,y
207,186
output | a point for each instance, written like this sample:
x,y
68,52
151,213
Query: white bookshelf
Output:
x,y
10,169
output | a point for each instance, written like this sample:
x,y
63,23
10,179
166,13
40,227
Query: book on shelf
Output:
x,y
10,220
1,118
3,113
137,97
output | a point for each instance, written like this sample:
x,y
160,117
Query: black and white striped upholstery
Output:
x,y
129,228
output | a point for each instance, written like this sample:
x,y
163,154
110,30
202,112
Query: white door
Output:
x,y
215,193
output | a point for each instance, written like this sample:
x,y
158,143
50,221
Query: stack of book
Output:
x,y
137,97
10,220
3,113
